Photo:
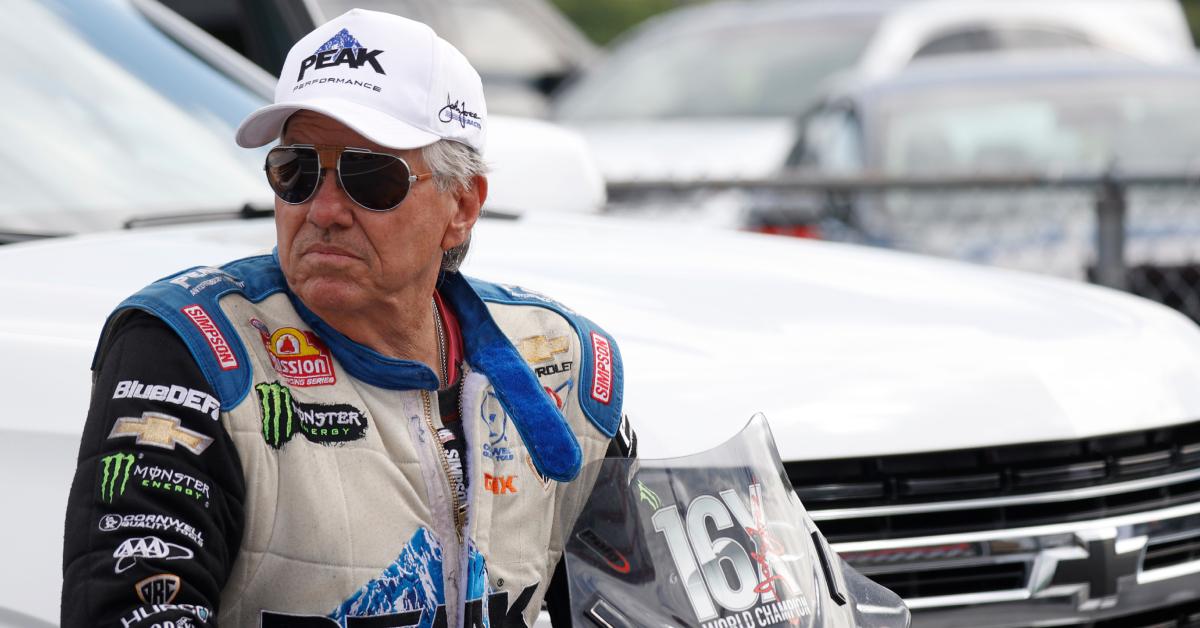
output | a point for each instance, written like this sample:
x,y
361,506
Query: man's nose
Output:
x,y
329,205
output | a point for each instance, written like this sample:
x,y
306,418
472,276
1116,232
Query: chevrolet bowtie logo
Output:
x,y
1094,568
160,430
541,349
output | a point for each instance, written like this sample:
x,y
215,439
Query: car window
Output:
x,y
759,69
1001,38
112,119
832,142
499,40
494,35
1147,125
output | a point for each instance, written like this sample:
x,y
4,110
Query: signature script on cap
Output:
x,y
457,110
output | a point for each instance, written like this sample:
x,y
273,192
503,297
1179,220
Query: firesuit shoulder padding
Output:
x,y
187,302
601,376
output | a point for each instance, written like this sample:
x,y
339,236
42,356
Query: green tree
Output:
x,y
1192,9
602,20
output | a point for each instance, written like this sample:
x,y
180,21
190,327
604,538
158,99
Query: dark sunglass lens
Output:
x,y
293,173
377,182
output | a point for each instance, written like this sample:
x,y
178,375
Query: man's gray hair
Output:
x,y
454,165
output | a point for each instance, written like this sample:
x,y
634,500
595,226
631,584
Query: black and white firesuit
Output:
x,y
245,464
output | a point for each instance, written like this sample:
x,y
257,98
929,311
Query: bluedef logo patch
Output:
x,y
325,424
197,400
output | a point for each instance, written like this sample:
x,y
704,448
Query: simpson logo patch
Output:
x,y
602,375
299,357
213,335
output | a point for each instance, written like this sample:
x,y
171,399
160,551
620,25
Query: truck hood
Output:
x,y
848,351
689,149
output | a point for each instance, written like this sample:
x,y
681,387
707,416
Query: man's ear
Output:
x,y
469,201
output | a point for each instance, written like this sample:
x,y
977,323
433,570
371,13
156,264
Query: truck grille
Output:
x,y
954,580
954,529
1011,486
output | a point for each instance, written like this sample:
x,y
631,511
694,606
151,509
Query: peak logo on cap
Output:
x,y
342,48
421,89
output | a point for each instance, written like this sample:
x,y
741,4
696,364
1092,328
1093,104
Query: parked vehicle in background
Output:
x,y
522,48
1025,114
1070,116
119,82
998,448
714,90
159,121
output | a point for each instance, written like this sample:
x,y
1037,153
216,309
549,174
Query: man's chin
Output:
x,y
329,295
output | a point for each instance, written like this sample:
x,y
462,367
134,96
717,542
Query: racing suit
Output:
x,y
245,464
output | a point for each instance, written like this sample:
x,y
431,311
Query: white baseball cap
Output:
x,y
391,79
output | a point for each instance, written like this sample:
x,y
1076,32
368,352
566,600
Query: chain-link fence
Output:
x,y
1140,234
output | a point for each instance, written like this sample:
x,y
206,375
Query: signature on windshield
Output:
x,y
457,110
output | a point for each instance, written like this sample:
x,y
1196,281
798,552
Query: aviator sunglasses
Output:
x,y
375,181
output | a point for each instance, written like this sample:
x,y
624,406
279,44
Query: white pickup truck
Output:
x,y
998,448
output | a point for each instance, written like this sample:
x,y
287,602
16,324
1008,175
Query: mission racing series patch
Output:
x,y
298,356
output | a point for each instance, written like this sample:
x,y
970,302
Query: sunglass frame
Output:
x,y
334,152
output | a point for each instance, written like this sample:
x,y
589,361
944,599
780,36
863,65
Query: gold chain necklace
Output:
x,y
441,338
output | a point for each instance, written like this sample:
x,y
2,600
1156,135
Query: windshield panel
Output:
x,y
761,69
111,119
1144,125
714,539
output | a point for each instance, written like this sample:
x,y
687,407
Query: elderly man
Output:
x,y
347,428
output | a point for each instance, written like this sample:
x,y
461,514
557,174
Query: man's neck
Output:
x,y
402,327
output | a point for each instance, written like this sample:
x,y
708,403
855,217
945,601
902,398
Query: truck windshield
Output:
x,y
1140,124
107,118
758,69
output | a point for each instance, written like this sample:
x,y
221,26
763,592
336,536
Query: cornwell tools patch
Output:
x,y
325,424
148,521
160,430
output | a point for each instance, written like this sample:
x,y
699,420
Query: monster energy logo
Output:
x,y
326,424
278,424
648,496
115,466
